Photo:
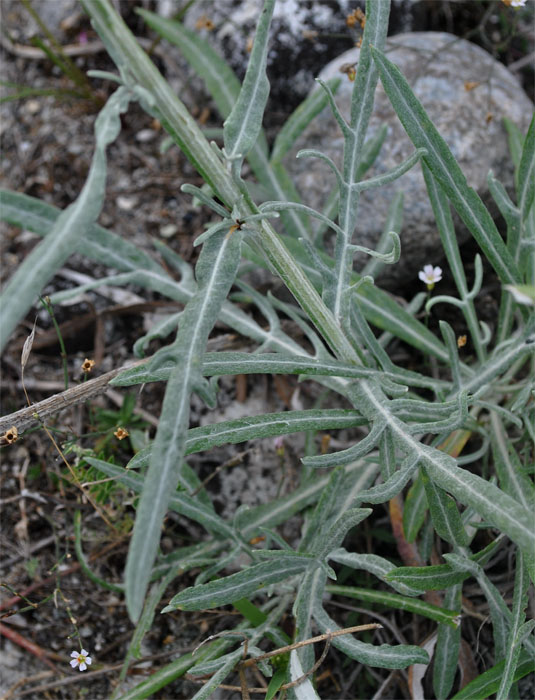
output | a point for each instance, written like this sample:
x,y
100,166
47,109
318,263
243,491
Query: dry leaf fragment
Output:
x,y
27,347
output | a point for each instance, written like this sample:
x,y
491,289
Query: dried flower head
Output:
x,y
80,659
10,436
351,20
461,341
87,365
204,22
349,70
471,84
354,17
430,275
121,433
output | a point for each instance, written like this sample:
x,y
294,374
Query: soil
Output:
x,y
47,602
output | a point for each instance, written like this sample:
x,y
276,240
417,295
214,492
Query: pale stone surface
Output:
x,y
304,37
439,68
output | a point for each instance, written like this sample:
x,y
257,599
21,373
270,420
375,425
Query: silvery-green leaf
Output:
x,y
99,244
375,30
240,585
513,645
242,126
526,172
215,271
446,654
437,577
489,682
215,364
378,566
445,168
444,513
383,656
71,226
433,612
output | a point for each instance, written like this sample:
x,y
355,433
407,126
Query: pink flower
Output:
x,y
80,659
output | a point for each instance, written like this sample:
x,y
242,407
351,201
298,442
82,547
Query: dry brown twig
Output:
x,y
34,414
253,661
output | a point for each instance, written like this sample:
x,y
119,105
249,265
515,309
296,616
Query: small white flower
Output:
x,y
518,3
430,275
80,659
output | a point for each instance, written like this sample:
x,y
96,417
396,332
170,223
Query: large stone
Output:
x,y
466,93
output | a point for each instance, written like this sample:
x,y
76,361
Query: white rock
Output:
x,y
439,68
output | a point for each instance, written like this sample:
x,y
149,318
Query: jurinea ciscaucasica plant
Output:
x,y
423,435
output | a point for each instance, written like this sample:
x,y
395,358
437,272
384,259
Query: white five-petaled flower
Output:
x,y
80,659
430,275
518,3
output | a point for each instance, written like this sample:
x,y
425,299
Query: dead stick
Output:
x,y
27,417
312,640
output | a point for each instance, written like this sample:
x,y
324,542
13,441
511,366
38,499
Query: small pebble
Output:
x,y
168,230
145,135
126,203
33,106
